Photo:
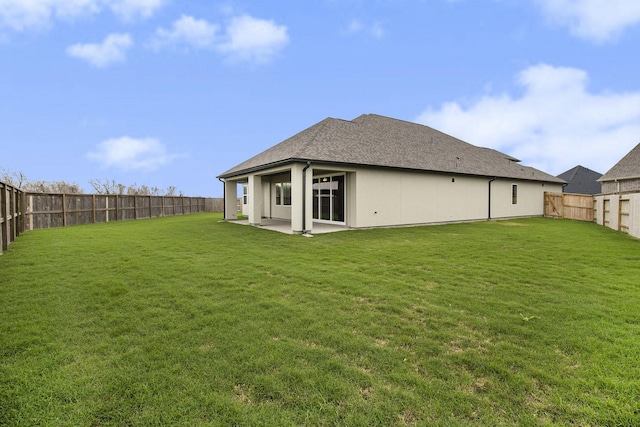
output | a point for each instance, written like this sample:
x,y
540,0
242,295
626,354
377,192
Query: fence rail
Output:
x,y
619,211
60,210
11,219
579,207
21,211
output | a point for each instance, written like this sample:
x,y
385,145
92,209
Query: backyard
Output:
x,y
193,321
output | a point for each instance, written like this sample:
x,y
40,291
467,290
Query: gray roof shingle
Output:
x,y
627,168
581,180
373,140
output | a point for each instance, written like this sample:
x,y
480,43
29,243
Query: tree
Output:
x,y
22,183
99,186
105,186
14,179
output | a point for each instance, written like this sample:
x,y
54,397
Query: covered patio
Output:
x,y
284,226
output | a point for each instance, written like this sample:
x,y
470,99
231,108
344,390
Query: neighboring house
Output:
x,y
581,180
618,207
624,176
376,171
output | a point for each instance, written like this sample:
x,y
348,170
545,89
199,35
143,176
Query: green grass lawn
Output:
x,y
192,321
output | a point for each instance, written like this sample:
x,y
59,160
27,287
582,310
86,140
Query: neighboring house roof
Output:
x,y
372,140
627,168
581,180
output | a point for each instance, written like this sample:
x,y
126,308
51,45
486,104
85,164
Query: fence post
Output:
x,y
13,224
64,209
23,212
93,208
3,217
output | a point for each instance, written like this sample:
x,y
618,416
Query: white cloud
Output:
x,y
596,20
131,9
245,38
21,15
128,154
186,31
111,50
253,39
374,30
556,124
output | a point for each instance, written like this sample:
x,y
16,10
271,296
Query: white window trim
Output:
x,y
280,185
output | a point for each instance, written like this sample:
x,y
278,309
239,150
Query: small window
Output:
x,y
283,194
514,194
245,193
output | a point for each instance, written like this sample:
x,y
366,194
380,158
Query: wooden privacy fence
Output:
x,y
11,219
619,211
569,206
60,210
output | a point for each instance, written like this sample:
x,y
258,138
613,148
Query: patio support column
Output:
x,y
255,199
308,192
230,200
296,198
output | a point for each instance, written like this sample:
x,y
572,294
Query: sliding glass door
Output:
x,y
328,198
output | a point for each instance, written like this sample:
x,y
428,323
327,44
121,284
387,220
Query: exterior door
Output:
x,y
328,199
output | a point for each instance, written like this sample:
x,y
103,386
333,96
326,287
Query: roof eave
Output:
x,y
624,178
266,166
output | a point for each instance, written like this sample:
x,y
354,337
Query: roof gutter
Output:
x,y
304,198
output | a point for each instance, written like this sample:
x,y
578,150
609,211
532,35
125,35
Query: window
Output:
x,y
283,194
514,194
245,192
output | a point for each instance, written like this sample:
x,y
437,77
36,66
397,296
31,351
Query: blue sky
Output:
x,y
173,93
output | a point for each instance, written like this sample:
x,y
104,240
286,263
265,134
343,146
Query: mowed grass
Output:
x,y
192,321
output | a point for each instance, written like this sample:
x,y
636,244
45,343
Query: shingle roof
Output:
x,y
373,140
627,168
581,180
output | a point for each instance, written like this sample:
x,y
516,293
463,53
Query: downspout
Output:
x,y
304,198
490,181
224,197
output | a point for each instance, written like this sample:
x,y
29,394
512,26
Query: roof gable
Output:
x,y
627,168
373,140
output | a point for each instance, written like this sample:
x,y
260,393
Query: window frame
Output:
x,y
514,194
283,194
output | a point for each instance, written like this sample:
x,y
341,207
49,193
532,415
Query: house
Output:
x,y
581,180
624,176
376,171
618,207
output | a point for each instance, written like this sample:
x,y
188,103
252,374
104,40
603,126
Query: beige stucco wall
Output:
x,y
530,198
388,197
